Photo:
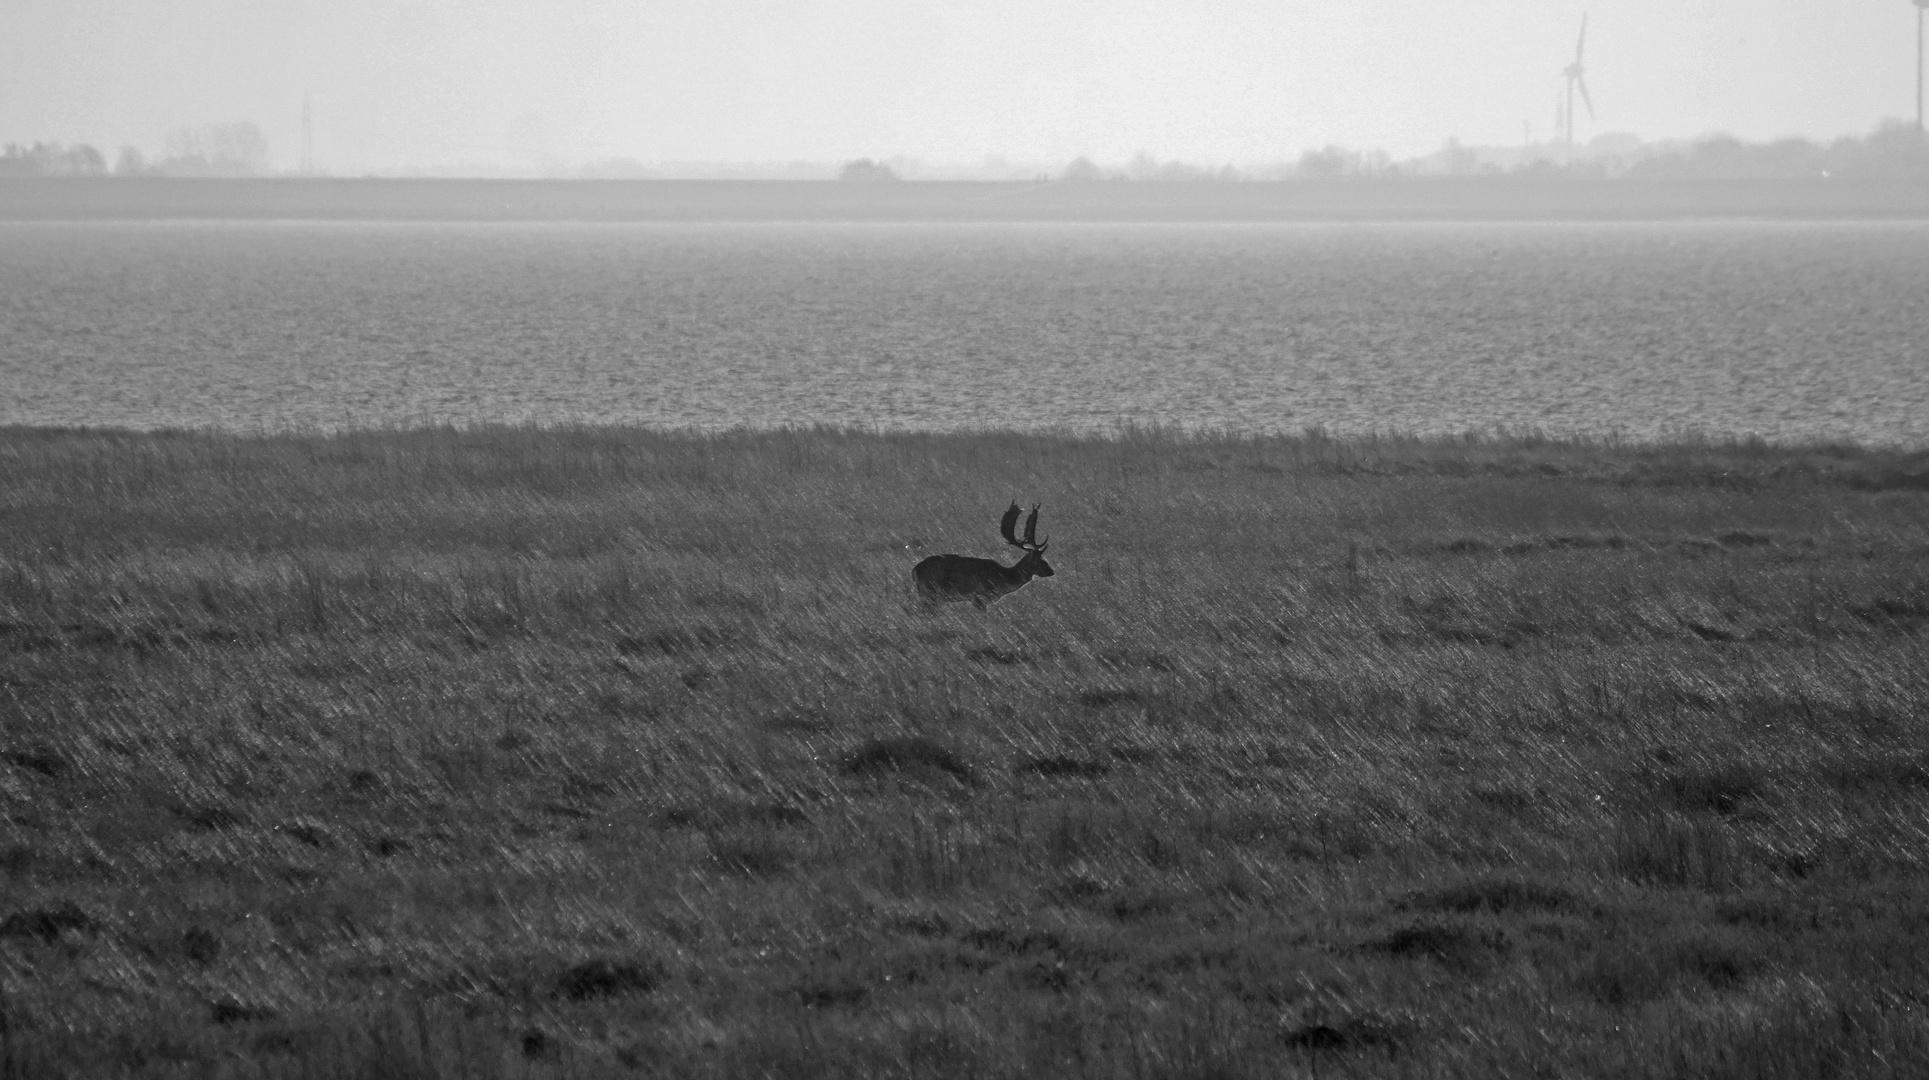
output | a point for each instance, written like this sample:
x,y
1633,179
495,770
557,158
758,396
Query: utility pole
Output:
x,y
1921,6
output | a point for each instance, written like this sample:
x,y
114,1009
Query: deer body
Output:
x,y
981,581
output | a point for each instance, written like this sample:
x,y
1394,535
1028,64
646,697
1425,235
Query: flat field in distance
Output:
x,y
1514,198
572,752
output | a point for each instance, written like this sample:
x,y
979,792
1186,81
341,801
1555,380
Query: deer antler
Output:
x,y
1009,527
1030,542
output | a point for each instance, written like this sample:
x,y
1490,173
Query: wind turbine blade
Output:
x,y
1582,83
1582,43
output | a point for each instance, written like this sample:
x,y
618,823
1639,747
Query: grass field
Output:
x,y
583,752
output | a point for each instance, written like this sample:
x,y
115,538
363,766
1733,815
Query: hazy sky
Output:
x,y
422,83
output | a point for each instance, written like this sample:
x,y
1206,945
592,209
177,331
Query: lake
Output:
x,y
1789,330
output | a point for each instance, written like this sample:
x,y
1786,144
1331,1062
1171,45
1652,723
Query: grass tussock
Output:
x,y
552,752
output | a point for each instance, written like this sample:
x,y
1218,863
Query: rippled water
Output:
x,y
1782,329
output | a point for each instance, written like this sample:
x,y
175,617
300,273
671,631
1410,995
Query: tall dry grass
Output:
x,y
562,752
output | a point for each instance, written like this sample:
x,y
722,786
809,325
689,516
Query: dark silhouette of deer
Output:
x,y
961,577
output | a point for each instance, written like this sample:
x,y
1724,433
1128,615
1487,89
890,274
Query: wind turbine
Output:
x,y
1572,73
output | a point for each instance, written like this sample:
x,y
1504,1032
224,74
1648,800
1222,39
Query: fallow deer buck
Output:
x,y
961,577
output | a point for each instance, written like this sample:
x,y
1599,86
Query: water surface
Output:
x,y
1787,330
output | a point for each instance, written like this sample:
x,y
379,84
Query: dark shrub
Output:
x,y
1462,948
1671,850
43,761
750,854
907,753
230,1011
47,924
1341,1034
1721,789
212,817
1064,766
200,945
609,978
1492,894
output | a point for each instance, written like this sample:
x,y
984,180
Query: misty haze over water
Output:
x,y
1784,329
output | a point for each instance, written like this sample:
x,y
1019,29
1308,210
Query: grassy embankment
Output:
x,y
550,753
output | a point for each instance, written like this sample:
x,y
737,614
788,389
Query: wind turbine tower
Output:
x,y
1573,74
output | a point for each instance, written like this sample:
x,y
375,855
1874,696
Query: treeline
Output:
x,y
238,149
1895,149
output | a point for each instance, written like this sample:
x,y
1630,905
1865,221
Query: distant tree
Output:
x,y
130,162
84,160
1457,160
15,162
1144,166
1718,153
237,149
1082,169
1328,164
1791,157
1893,149
51,159
864,170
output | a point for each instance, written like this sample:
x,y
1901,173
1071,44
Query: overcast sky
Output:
x,y
401,84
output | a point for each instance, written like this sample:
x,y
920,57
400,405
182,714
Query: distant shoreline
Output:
x,y
1406,199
